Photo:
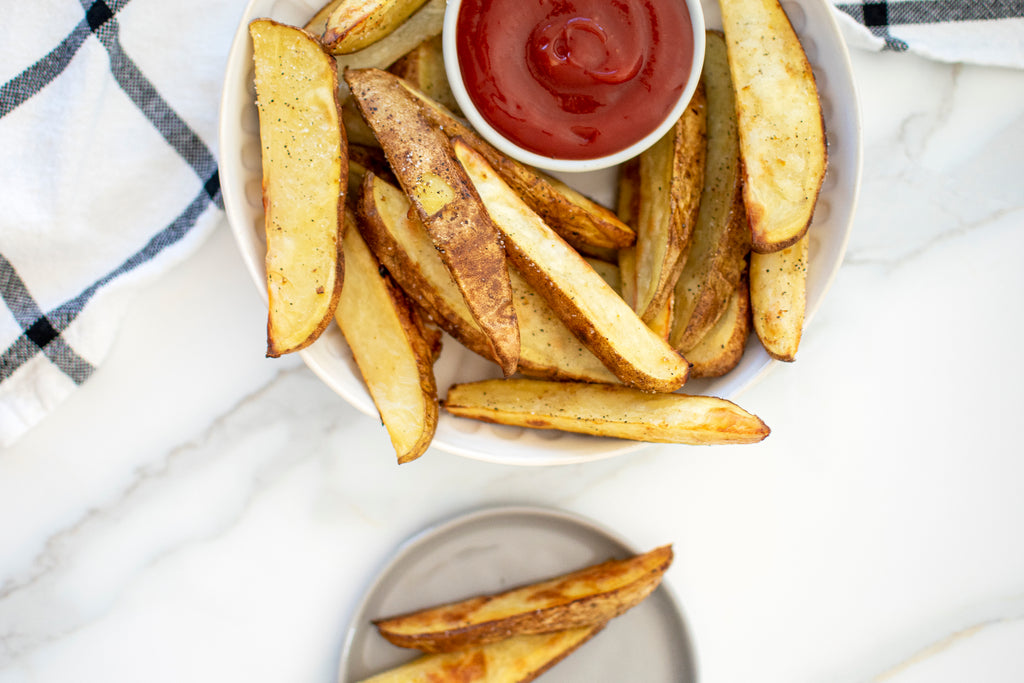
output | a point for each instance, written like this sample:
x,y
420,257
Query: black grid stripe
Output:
x,y
879,16
41,332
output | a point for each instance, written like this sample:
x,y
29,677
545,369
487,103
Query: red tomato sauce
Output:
x,y
574,79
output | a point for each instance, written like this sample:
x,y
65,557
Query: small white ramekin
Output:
x,y
454,73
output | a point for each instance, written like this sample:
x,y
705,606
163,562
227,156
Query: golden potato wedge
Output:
x,y
778,297
318,23
721,237
671,179
606,410
548,348
356,24
594,312
518,659
782,133
589,227
425,23
305,173
586,597
721,349
423,66
446,201
394,352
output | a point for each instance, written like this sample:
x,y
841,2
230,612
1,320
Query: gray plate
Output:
x,y
500,548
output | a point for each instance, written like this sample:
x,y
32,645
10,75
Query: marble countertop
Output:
x,y
197,512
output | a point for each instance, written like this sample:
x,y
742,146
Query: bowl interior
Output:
x,y
330,358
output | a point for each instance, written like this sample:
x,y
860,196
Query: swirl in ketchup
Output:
x,y
574,79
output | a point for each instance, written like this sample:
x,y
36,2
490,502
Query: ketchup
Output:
x,y
574,79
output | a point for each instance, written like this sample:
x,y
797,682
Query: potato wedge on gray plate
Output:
x,y
671,176
548,349
594,312
782,133
606,410
721,237
518,659
392,349
305,171
460,227
586,597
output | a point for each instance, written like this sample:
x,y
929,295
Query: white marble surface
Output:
x,y
199,513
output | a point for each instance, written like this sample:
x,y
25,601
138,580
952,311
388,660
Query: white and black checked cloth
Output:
x,y
109,176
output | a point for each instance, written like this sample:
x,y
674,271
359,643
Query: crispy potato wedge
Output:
x,y
722,347
782,133
589,227
586,597
778,297
394,351
356,24
721,237
318,23
423,66
305,169
425,23
606,410
671,179
594,312
421,158
518,659
548,349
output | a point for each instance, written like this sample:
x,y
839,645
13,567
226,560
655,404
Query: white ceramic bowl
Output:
x,y
469,109
330,358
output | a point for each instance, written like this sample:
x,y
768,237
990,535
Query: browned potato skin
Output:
x,y
722,347
595,313
782,131
606,410
293,323
589,227
421,158
548,349
392,347
356,24
671,180
721,237
586,597
518,659
424,68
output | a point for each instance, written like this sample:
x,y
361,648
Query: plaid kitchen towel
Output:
x,y
108,120
989,32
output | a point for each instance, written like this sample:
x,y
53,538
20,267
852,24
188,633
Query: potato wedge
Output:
x,y
595,313
363,160
778,297
721,349
548,348
425,23
721,237
606,410
305,173
782,133
518,659
589,227
423,66
446,201
670,183
586,597
356,24
394,352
